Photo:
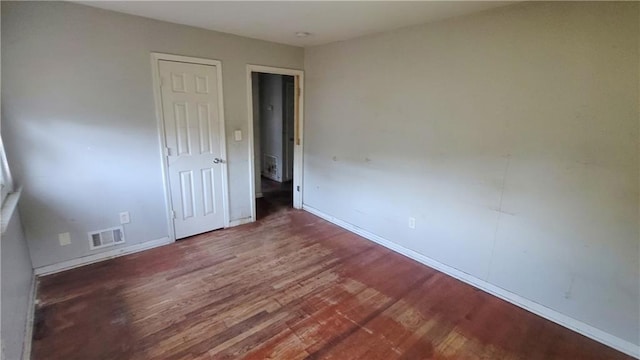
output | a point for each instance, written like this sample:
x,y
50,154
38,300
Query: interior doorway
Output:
x,y
275,119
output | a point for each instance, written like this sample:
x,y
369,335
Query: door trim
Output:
x,y
157,95
298,148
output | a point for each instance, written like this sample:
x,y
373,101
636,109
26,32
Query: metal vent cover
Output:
x,y
107,237
271,165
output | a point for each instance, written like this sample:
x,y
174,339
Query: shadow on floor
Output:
x,y
276,197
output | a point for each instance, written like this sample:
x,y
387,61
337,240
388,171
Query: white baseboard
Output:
x,y
538,309
259,195
240,222
90,259
28,330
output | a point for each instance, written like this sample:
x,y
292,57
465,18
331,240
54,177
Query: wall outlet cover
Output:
x,y
124,217
64,239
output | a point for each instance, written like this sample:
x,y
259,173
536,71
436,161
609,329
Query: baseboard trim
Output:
x,y
240,222
90,259
529,305
259,195
28,330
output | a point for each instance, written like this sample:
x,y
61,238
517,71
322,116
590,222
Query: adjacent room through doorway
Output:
x,y
274,134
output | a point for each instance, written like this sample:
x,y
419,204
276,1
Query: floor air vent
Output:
x,y
271,166
108,237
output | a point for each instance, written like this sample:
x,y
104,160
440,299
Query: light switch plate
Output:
x,y
237,135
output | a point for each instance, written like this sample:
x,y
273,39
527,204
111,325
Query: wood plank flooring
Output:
x,y
290,286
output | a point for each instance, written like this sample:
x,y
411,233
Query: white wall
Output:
x,y
271,112
17,275
79,119
510,135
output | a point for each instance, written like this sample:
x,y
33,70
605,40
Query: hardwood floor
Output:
x,y
290,286
276,196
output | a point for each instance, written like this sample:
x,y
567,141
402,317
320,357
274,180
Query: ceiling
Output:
x,y
278,21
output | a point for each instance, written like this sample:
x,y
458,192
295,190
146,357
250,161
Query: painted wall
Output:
x,y
79,118
271,112
17,275
512,138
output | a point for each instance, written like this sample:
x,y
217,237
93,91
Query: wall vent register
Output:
x,y
107,237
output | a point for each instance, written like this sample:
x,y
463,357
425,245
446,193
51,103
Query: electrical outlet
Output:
x,y
64,239
124,218
412,223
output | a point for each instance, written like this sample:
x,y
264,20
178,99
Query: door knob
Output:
x,y
217,161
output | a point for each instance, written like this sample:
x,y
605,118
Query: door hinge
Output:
x,y
298,188
173,214
299,92
167,151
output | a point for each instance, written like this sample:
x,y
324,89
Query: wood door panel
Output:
x,y
190,112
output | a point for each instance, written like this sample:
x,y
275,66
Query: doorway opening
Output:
x,y
273,138
275,116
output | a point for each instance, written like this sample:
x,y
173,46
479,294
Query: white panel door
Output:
x,y
194,155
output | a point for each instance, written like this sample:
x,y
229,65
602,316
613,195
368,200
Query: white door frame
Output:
x,y
155,58
298,152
